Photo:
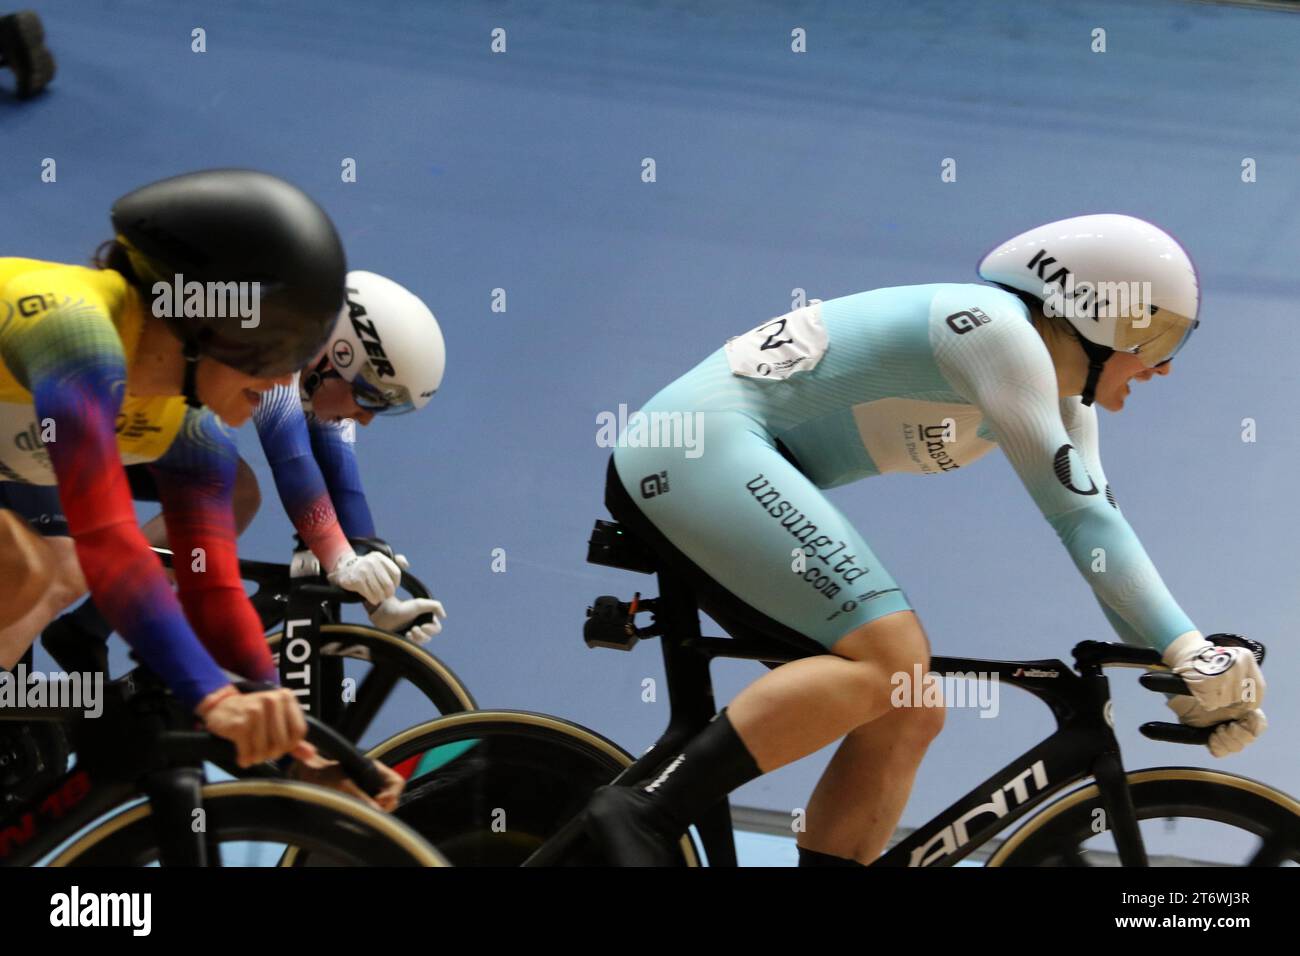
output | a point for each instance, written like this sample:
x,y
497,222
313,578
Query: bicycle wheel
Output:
x,y
491,786
336,829
392,660
1183,813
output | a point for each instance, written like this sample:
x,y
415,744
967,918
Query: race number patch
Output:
x,y
792,343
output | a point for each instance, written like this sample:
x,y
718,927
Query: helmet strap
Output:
x,y
189,388
1097,356
316,378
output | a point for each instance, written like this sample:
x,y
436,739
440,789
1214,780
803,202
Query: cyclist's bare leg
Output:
x,y
47,579
862,793
806,704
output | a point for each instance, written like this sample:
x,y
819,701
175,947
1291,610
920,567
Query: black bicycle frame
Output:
x,y
141,746
113,773
74,801
316,679
302,666
303,606
1083,745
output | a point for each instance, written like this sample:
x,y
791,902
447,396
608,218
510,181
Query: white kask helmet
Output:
x,y
1124,284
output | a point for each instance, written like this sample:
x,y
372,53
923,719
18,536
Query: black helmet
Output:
x,y
237,225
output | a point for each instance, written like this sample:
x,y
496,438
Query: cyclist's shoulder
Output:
x,y
33,290
180,439
280,406
935,299
27,276
969,317
947,297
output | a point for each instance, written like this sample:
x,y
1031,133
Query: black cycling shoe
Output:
x,y
631,830
23,50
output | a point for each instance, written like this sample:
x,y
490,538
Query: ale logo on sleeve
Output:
x,y
967,320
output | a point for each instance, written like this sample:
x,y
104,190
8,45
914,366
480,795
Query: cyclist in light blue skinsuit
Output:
x,y
923,379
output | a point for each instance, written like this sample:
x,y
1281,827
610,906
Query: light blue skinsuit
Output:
x,y
922,379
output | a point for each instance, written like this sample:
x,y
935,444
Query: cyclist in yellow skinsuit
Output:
x,y
97,369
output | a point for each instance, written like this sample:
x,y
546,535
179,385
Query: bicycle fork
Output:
x,y
176,805
1112,782
1118,801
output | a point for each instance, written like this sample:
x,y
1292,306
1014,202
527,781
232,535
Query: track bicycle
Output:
x,y
140,773
515,795
342,673
312,646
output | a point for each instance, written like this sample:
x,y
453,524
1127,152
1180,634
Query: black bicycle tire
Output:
x,y
1186,792
554,765
274,811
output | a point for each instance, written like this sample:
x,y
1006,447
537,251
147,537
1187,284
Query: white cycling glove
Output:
x,y
1231,736
374,576
1220,678
394,614
304,565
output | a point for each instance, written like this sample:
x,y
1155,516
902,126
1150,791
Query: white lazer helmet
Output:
x,y
387,344
1122,283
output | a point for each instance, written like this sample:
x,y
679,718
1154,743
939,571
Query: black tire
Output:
x,y
397,658
497,801
336,829
1057,835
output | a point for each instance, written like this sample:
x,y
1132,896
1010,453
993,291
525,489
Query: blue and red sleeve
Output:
x,y
196,479
282,428
75,369
335,451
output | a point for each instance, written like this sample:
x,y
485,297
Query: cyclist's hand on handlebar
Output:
x,y
326,773
374,576
379,544
1218,677
396,614
1236,730
304,565
262,726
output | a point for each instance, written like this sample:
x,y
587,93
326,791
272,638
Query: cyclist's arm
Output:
x,y
196,479
1080,423
282,428
1004,368
71,360
335,450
